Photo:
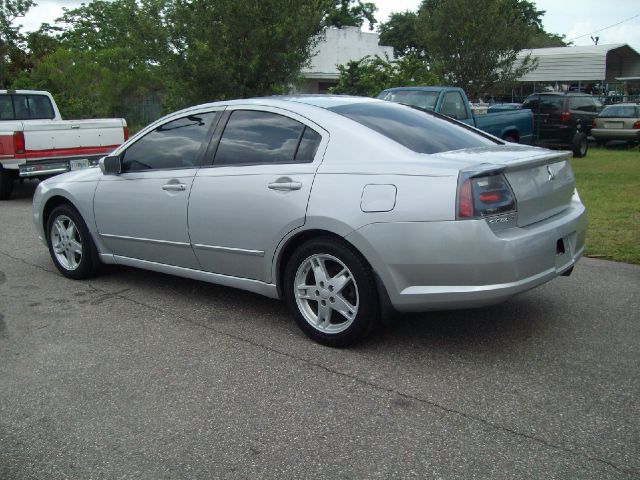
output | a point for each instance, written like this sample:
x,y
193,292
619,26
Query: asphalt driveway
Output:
x,y
141,375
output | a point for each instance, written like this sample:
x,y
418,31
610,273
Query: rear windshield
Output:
x,y
620,111
547,104
25,107
417,98
419,131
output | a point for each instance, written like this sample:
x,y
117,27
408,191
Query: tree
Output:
x,y
400,32
12,55
370,75
351,13
228,49
474,44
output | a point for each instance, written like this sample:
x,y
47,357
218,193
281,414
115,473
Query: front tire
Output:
x,y
331,291
580,145
70,244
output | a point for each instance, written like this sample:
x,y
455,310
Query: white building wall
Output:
x,y
338,47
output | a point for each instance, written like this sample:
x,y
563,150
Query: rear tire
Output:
x,y
70,244
580,145
331,291
7,178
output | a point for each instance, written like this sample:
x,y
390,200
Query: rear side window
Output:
x,y
582,104
453,106
620,111
417,130
175,144
25,107
254,137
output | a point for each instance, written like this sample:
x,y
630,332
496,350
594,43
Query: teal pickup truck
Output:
x,y
509,125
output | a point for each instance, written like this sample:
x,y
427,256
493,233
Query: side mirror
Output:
x,y
110,165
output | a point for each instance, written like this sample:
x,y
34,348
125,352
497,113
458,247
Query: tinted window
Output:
x,y
6,108
25,107
551,104
417,98
308,145
172,145
252,137
417,130
582,104
453,106
619,111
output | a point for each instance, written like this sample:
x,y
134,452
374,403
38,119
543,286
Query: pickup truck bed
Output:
x,y
36,142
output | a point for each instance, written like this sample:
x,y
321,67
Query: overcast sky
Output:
x,y
573,18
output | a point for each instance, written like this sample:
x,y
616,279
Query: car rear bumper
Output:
x,y
462,264
616,134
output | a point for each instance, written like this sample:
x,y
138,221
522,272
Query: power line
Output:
x,y
605,28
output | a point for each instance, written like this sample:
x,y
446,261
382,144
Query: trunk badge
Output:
x,y
552,176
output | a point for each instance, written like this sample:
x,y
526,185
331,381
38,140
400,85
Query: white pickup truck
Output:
x,y
36,142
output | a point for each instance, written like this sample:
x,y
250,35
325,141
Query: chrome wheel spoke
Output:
x,y
305,292
319,271
339,281
343,307
59,228
75,247
324,315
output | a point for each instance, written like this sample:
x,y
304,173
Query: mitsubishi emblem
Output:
x,y
552,176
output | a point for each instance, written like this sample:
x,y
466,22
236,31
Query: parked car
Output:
x,y
512,126
563,120
617,122
36,142
346,207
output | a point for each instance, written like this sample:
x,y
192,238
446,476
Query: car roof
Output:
x,y
287,101
624,104
562,94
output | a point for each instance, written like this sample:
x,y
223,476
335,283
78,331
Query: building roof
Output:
x,y
584,63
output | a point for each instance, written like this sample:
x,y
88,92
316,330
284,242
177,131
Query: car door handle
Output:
x,y
174,187
284,186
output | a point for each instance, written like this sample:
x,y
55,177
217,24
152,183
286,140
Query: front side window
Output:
x,y
255,137
175,144
417,130
453,106
25,107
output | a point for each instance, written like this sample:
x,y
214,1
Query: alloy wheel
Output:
x,y
326,293
67,243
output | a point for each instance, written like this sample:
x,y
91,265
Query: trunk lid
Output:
x,y
542,180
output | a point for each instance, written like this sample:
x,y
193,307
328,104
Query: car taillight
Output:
x,y
636,125
484,196
125,130
564,117
18,142
593,124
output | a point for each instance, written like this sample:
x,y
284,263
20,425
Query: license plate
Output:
x,y
78,164
613,124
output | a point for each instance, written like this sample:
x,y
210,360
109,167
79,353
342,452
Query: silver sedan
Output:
x,y
345,207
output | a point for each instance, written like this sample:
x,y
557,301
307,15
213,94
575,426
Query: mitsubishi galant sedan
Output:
x,y
344,207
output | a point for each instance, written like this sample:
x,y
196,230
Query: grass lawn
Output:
x,y
608,181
